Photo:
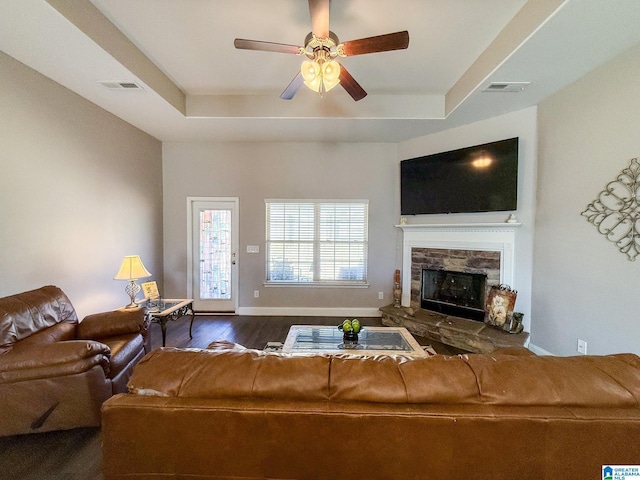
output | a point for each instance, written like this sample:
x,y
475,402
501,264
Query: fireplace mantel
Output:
x,y
459,226
497,237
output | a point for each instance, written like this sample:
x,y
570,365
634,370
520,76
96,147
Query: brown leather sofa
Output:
x,y
54,371
245,414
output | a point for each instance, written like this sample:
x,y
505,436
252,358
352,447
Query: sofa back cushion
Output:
x,y
230,374
23,314
576,381
589,381
401,379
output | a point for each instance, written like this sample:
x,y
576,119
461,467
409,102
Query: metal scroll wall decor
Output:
x,y
616,212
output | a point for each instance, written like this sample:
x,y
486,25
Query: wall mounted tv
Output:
x,y
483,178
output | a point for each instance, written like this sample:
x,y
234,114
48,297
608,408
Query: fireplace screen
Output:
x,y
454,293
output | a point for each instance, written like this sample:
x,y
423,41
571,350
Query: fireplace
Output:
x,y
453,281
466,250
459,294
479,249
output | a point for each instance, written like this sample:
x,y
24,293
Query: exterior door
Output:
x,y
213,254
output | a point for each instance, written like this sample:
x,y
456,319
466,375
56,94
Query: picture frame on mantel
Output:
x,y
499,307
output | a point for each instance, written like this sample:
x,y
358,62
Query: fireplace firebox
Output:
x,y
454,293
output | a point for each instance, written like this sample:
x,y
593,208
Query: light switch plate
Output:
x,y
253,249
582,347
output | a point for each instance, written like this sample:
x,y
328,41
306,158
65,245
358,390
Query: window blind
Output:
x,y
316,241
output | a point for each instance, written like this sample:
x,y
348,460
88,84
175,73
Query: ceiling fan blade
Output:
x,y
319,10
379,43
293,87
266,46
352,87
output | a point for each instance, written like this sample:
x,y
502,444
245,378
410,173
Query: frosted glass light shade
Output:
x,y
312,75
320,76
132,269
330,75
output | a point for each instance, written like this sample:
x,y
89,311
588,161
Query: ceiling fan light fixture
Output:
x,y
321,72
312,74
330,75
320,76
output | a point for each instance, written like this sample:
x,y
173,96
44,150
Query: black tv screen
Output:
x,y
483,178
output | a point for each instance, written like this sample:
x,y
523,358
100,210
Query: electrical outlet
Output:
x,y
256,294
582,347
380,295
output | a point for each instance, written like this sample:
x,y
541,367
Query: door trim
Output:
x,y
234,279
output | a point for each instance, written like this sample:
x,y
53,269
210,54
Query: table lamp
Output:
x,y
132,269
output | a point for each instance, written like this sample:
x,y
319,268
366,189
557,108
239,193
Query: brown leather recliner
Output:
x,y
55,372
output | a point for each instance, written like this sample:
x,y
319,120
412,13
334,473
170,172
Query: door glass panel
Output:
x,y
215,254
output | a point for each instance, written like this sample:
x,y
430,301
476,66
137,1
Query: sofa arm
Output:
x,y
110,324
50,360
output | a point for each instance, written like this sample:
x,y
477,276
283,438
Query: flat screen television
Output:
x,y
483,178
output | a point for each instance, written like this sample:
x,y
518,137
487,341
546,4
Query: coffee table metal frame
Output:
x,y
330,341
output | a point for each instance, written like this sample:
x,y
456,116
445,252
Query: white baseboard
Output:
x,y
539,350
310,312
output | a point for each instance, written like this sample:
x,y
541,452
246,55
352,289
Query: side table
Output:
x,y
171,309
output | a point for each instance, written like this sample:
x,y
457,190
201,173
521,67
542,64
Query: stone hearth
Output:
x,y
468,335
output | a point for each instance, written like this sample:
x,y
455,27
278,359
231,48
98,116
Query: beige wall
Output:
x,y
256,171
583,286
79,189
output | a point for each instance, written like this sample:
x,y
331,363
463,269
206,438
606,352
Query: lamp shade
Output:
x,y
131,269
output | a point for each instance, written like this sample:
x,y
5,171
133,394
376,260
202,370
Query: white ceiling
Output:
x,y
198,87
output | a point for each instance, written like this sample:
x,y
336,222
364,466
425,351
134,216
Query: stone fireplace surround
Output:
x,y
453,260
471,248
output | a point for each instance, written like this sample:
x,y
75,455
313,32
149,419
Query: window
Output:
x,y
317,242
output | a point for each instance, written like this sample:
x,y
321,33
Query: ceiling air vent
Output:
x,y
506,86
121,85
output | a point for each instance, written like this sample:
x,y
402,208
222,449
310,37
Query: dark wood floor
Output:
x,y
76,454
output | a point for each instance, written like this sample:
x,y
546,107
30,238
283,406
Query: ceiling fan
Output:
x,y
321,72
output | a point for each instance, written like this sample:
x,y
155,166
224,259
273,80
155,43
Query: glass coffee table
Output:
x,y
371,341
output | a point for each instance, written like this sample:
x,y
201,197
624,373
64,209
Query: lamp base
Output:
x,y
132,290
